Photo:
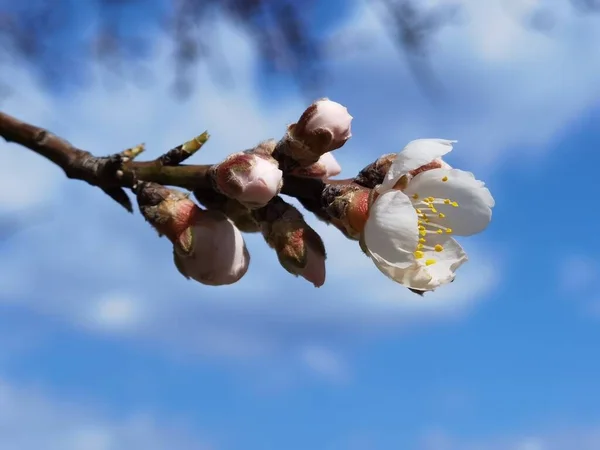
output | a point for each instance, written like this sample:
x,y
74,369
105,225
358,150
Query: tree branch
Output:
x,y
117,170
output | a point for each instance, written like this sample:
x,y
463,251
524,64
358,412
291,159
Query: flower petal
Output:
x,y
473,201
218,255
417,153
391,232
441,269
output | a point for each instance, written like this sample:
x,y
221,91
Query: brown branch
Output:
x,y
117,170
120,171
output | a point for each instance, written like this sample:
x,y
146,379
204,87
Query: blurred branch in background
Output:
x,y
288,35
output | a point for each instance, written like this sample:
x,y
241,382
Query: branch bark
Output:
x,y
117,171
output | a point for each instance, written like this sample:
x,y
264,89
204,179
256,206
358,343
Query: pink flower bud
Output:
x,y
314,269
252,179
324,126
212,250
206,245
325,117
326,167
299,248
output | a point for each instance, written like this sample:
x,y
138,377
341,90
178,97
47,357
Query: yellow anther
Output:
x,y
429,262
419,211
447,201
433,209
421,240
422,232
448,230
454,204
438,248
439,231
418,254
430,199
415,196
427,220
421,227
445,179
441,215
419,246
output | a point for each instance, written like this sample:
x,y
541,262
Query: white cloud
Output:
x,y
105,271
559,438
31,420
509,92
116,310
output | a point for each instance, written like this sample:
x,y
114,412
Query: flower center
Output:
x,y
429,226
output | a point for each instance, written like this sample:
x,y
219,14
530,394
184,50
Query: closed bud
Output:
x,y
206,245
326,167
299,248
323,127
252,179
213,251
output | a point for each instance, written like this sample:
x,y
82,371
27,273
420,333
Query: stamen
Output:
x,y
429,262
438,248
418,254
445,179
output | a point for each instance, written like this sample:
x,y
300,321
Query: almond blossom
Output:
x,y
421,204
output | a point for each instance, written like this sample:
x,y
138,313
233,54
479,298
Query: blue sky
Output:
x,y
105,346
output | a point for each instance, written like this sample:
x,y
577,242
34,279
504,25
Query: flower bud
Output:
x,y
324,126
213,251
326,167
299,248
252,179
206,245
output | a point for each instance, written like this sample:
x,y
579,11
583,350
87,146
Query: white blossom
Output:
x,y
412,221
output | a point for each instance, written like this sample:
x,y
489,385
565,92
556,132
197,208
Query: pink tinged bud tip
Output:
x,y
251,179
325,123
304,255
211,250
314,271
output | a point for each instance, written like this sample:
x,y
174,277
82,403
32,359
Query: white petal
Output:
x,y
417,153
409,276
475,202
450,258
332,167
429,277
391,232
